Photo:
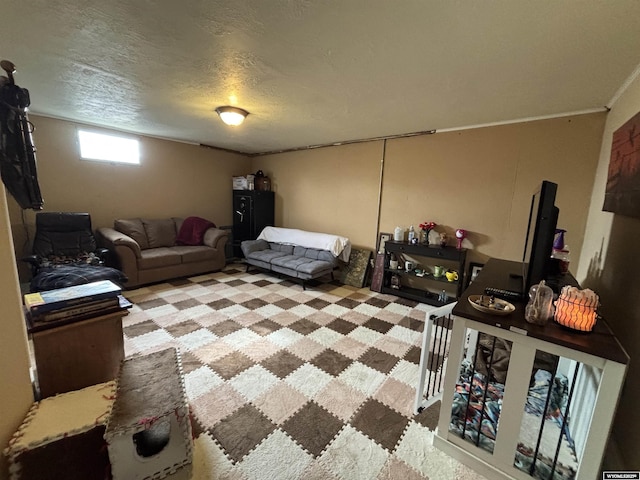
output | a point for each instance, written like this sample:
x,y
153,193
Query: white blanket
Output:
x,y
338,246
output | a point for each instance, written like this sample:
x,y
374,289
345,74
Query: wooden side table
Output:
x,y
77,355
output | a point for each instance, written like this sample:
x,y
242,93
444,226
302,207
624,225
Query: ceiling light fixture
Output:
x,y
232,115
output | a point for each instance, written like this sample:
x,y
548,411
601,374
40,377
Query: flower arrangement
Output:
x,y
426,227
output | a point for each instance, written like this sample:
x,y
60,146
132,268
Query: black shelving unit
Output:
x,y
423,288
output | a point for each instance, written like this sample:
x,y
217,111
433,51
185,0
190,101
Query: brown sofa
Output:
x,y
146,250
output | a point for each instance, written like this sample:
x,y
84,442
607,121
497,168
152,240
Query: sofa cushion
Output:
x,y
194,253
282,247
191,231
315,254
160,232
266,256
159,257
302,264
133,228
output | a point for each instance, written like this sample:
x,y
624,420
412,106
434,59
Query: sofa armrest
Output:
x,y
112,239
215,238
250,246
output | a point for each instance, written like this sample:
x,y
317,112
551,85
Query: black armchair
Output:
x,y
65,253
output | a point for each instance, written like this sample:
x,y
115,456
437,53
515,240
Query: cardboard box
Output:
x,y
240,183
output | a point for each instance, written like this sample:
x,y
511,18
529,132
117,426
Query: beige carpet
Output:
x,y
293,384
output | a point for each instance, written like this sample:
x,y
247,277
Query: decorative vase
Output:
x,y
424,237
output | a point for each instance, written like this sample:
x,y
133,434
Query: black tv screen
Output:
x,y
543,217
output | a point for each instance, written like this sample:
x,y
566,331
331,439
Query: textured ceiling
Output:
x,y
314,72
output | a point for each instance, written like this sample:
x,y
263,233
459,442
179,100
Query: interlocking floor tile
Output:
x,y
200,381
331,362
308,379
365,335
261,349
189,362
317,303
362,378
140,328
341,326
412,323
378,325
265,327
276,446
220,304
253,382
225,328
429,416
254,303
305,348
217,404
380,423
304,326
282,363
379,360
184,304
196,339
212,351
344,456
152,339
377,302
313,427
413,355
242,431
284,337
348,303
280,402
340,399
153,303
180,329
396,395
285,303
349,347
241,338
325,336
231,365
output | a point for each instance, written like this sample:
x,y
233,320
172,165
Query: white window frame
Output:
x,y
110,147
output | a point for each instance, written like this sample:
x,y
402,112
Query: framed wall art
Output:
x,y
622,194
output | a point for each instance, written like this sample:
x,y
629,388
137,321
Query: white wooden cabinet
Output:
x,y
601,365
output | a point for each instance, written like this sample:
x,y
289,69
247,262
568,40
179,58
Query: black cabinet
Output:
x,y
252,211
420,283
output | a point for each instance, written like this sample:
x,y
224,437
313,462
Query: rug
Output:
x,y
292,384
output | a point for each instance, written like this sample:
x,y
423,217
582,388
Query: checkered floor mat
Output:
x,y
289,384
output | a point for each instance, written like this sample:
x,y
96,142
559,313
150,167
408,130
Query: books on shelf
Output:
x,y
64,298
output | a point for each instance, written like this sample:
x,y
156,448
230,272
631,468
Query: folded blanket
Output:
x,y
192,231
338,246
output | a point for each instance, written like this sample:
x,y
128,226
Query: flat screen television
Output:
x,y
543,217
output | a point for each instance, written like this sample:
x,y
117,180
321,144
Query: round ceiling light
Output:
x,y
232,115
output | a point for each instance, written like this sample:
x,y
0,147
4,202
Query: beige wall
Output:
x,y
173,179
610,265
480,180
332,189
15,385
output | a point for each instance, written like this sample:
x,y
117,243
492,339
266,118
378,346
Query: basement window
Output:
x,y
108,148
